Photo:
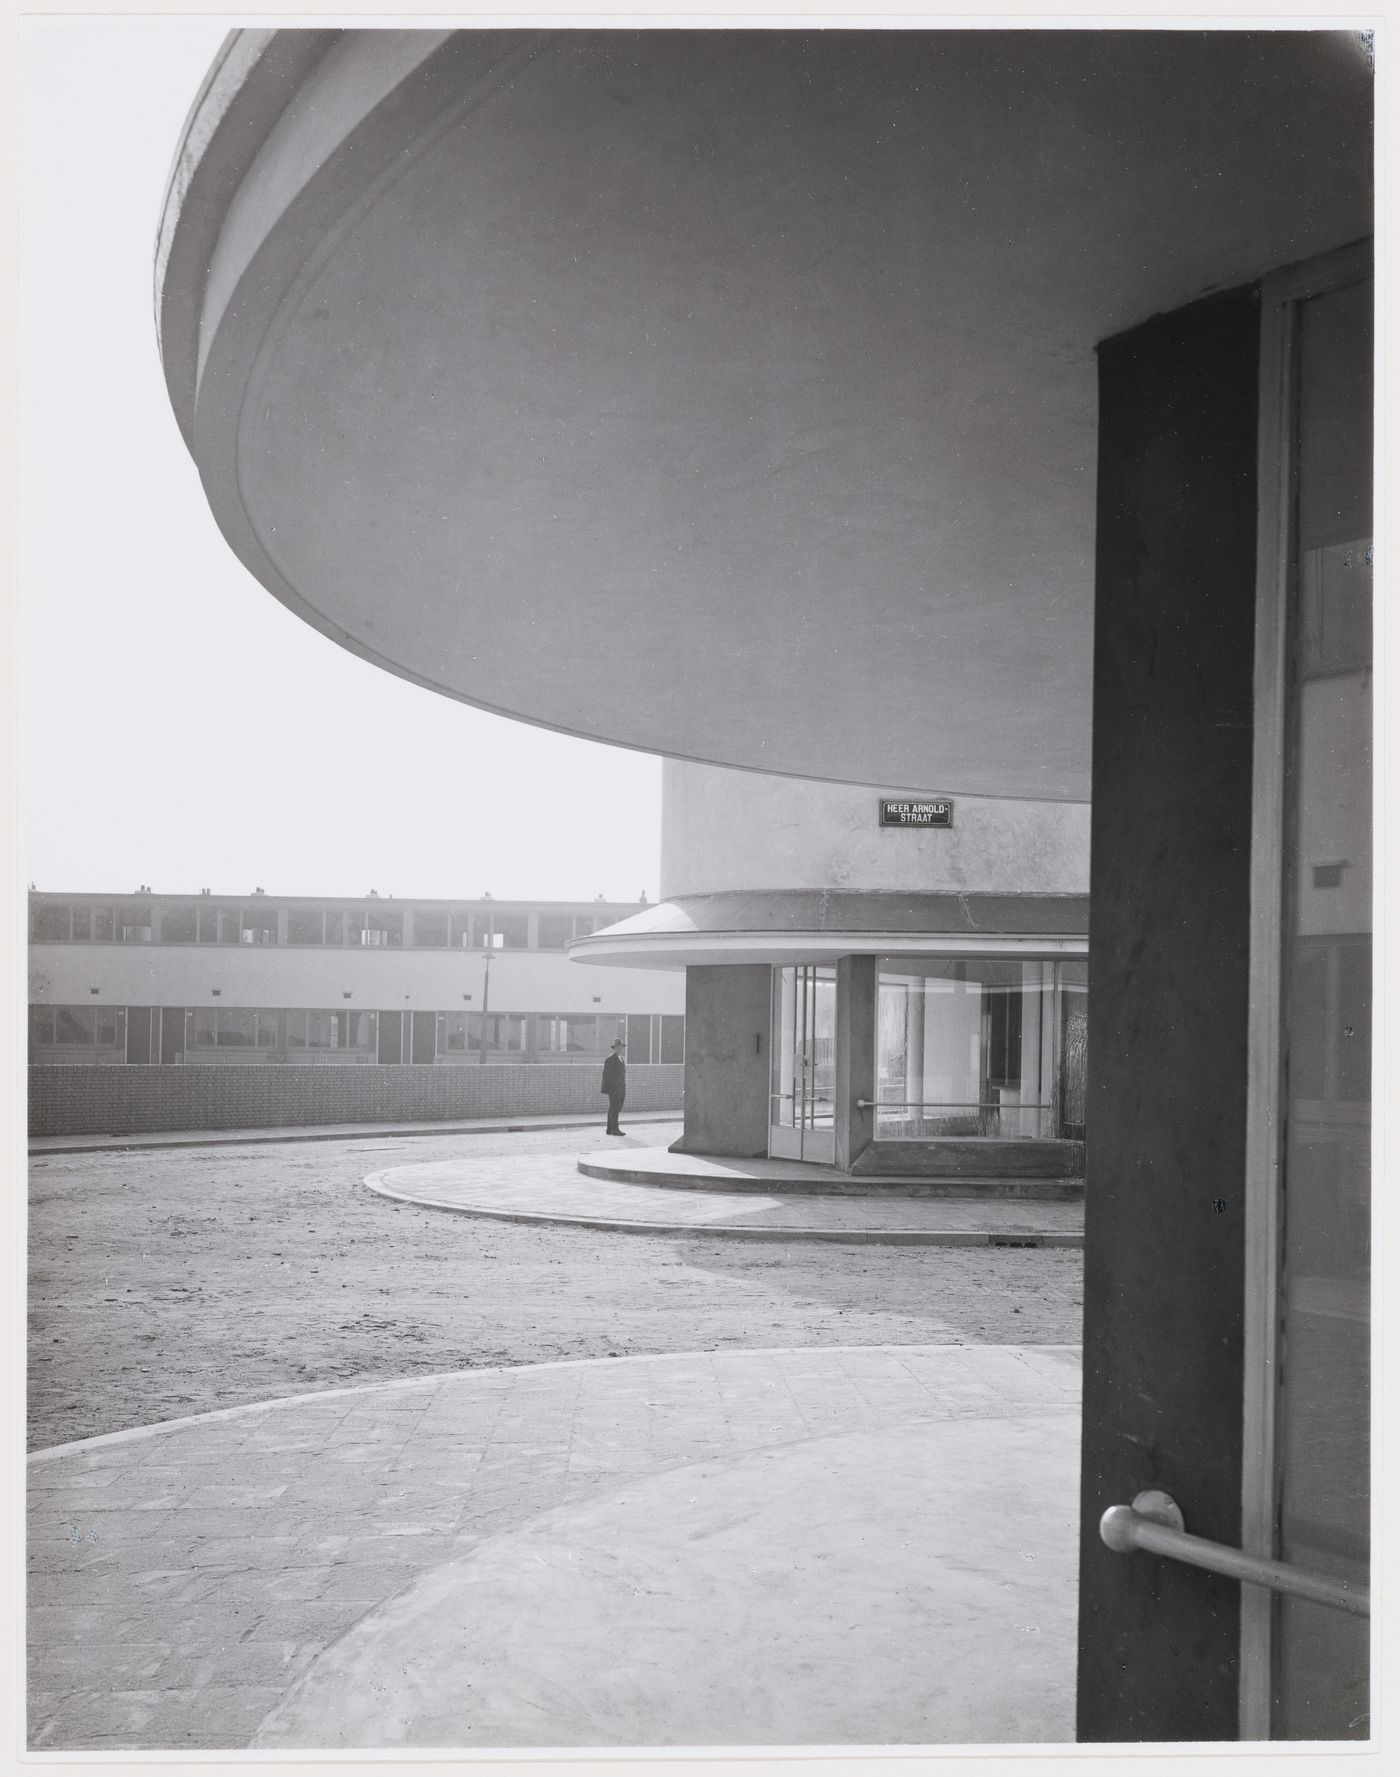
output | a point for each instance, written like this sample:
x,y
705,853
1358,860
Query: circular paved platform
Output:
x,y
704,1172
199,1583
551,1188
877,1588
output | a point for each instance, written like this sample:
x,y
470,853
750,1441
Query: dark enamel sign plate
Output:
x,y
937,813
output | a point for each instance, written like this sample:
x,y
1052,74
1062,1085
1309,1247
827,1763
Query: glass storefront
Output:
x,y
972,1046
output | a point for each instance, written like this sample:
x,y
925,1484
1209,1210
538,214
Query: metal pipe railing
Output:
x,y
1153,1525
934,1104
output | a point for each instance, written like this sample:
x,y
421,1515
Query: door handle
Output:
x,y
1153,1525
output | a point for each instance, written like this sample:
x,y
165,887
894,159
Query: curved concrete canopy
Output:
x,y
725,394
802,926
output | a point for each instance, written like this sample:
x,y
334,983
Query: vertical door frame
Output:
x,y
1275,594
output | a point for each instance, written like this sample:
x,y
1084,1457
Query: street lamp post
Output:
x,y
486,941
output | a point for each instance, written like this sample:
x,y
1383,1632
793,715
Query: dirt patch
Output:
x,y
171,1282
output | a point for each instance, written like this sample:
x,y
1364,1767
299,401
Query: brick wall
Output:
x,y
134,1100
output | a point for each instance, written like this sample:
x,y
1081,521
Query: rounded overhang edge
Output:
x,y
680,950
247,87
242,535
253,80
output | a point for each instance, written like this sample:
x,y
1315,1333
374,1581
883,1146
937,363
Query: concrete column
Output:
x,y
1168,1011
855,1056
727,1060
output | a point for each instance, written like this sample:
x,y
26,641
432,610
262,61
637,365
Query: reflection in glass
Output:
x,y
1320,1656
972,1046
802,1113
75,1024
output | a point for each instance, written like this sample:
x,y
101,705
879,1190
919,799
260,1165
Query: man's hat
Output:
x,y
618,1043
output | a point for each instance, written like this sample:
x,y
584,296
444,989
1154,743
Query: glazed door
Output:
x,y
802,1108
1304,1667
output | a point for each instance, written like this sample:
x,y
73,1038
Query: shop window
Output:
x,y
511,931
1073,981
639,1037
306,926
459,1033
672,1037
50,924
505,1031
1003,1006
234,1027
75,1025
383,928
179,925
134,924
556,929
40,1026
965,1047
330,1031
430,931
102,1027
257,925
237,1028
569,1033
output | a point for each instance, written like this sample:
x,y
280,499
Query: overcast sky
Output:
x,y
181,728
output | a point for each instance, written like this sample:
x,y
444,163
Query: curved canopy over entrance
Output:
x,y
729,395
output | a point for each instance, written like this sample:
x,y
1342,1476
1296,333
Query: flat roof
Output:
x,y
806,924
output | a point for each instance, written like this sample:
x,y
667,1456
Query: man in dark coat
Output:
x,y
615,1085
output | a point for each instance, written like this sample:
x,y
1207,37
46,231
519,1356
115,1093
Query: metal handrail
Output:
x,y
1153,1525
936,1104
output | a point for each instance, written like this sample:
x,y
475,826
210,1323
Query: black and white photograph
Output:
x,y
695,750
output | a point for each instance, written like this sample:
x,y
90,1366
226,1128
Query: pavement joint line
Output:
x,y
131,1434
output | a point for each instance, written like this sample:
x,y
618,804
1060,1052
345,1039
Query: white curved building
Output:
x,y
883,996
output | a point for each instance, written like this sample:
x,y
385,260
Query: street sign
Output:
x,y
916,814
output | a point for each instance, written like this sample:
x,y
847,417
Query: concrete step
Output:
x,y
661,1168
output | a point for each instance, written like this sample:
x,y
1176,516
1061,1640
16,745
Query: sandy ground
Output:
x,y
167,1283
